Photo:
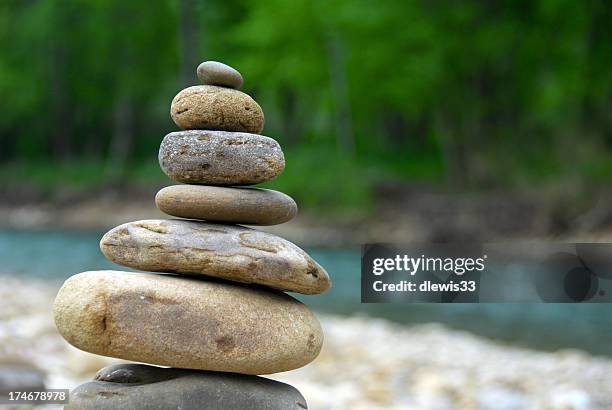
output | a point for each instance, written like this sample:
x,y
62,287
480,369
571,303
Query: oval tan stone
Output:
x,y
187,323
231,252
251,206
209,107
220,157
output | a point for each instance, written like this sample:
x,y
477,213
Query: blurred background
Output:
x,y
400,121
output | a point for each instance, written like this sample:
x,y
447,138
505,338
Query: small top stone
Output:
x,y
216,73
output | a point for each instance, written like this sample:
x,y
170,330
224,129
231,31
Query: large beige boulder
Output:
x,y
186,323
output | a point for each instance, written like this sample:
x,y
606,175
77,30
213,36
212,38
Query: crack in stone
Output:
x,y
104,322
157,228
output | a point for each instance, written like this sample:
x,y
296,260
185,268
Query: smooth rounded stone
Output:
x,y
216,73
183,322
251,206
230,252
137,386
209,107
220,157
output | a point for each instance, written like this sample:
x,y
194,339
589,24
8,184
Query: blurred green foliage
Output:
x,y
471,94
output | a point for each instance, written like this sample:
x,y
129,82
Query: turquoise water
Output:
x,y
57,255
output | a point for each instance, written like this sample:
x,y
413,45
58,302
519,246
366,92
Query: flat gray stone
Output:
x,y
230,252
251,206
188,323
216,73
220,157
136,386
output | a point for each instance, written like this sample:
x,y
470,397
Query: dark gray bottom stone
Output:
x,y
138,386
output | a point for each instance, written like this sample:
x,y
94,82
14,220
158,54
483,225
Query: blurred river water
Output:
x,y
54,256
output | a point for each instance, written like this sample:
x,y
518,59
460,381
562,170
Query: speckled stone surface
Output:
x,y
138,386
208,107
251,206
186,323
216,73
220,157
231,252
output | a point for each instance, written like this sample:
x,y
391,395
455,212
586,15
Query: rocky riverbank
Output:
x,y
400,212
365,363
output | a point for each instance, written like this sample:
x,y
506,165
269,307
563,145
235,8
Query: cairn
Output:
x,y
219,315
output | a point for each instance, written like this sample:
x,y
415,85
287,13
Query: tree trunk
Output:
x,y
188,42
122,137
340,92
291,124
454,153
61,124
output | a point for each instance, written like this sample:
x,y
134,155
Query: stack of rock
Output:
x,y
221,308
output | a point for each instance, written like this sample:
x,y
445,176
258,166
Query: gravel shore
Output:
x,y
365,363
